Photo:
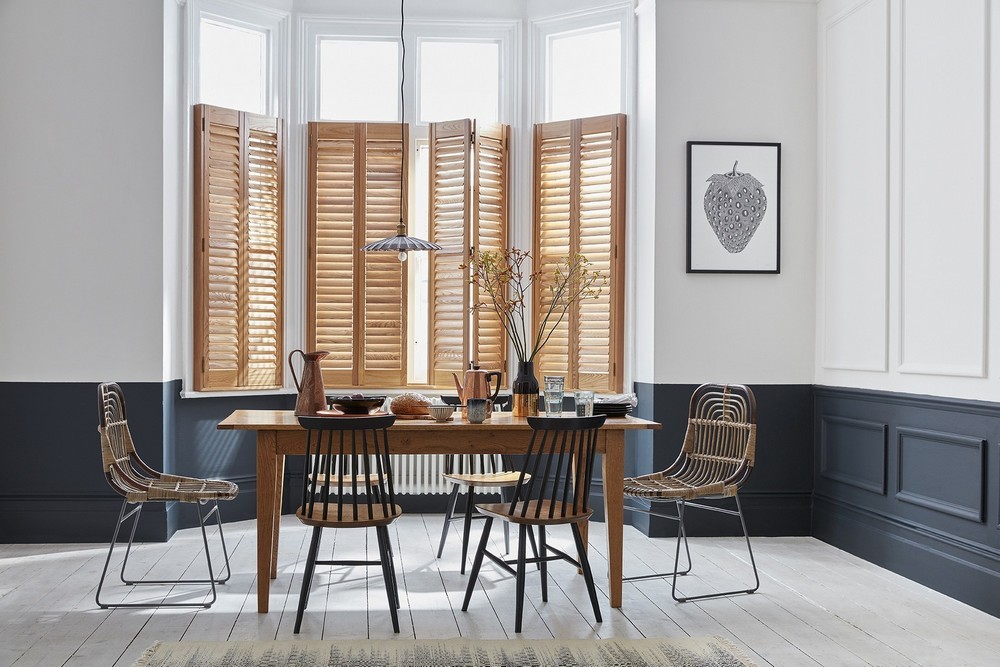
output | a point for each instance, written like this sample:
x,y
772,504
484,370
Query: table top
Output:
x,y
285,420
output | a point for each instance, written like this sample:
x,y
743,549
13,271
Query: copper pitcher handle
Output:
x,y
295,379
496,392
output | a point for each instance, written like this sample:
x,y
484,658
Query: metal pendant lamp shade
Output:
x,y
401,243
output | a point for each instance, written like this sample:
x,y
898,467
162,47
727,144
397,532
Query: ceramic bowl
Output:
x,y
441,412
356,406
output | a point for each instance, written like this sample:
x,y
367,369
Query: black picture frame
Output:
x,y
734,224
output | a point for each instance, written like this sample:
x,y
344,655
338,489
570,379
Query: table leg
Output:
x,y
267,444
613,472
279,483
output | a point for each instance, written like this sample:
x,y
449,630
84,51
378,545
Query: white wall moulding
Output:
x,y
854,182
943,193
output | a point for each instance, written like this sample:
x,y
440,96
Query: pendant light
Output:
x,y
401,243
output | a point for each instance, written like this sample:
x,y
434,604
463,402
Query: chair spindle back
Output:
x,y
561,450
352,455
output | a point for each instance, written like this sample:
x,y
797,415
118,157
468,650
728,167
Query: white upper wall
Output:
x,y
81,160
735,70
906,174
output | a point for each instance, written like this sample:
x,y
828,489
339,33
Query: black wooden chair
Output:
x,y
351,455
560,453
715,461
139,484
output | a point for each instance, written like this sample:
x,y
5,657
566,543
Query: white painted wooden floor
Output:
x,y
816,605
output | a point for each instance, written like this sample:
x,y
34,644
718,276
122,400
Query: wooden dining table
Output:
x,y
279,434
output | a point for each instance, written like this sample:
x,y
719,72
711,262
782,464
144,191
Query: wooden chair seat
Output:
x,y
365,517
537,512
493,479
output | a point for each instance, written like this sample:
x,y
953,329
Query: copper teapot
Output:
x,y
477,385
312,397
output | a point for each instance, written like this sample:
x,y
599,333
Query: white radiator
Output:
x,y
419,474
422,474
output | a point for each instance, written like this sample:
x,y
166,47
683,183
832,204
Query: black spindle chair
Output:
x,y
351,455
553,488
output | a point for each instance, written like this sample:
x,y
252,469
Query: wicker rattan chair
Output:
x,y
715,460
138,483
351,454
546,495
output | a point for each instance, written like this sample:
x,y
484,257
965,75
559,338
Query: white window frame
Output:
x,y
292,85
541,28
275,24
312,30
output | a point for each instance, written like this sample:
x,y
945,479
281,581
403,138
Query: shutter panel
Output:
x,y
579,208
468,209
356,300
449,179
489,229
265,352
332,249
384,278
238,245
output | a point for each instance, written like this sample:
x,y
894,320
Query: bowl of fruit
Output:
x,y
356,404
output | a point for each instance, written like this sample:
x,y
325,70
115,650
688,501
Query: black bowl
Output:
x,y
356,406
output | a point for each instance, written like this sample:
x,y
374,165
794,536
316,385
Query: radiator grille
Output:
x,y
422,474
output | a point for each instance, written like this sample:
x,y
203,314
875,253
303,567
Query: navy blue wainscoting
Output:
x,y
912,483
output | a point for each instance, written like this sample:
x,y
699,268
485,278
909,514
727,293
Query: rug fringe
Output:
x,y
143,661
734,648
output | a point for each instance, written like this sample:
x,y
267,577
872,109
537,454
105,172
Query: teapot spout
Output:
x,y
458,386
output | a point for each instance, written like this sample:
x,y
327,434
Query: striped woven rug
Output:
x,y
680,652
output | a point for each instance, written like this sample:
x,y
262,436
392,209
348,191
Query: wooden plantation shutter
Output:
x,y
579,207
356,301
468,210
238,174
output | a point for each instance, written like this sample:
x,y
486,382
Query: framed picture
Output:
x,y
733,207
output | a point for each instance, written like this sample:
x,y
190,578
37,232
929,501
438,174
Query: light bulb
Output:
x,y
402,255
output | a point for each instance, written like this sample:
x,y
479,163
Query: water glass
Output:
x,y
554,394
584,403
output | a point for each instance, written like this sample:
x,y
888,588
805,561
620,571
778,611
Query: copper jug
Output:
x,y
312,398
477,385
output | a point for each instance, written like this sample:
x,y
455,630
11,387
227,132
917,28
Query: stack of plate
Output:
x,y
612,409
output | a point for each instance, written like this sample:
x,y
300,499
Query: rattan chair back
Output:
x,y
720,441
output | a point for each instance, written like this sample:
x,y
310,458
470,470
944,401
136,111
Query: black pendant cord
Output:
x,y
402,109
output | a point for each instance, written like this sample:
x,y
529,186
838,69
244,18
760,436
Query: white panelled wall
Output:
x,y
906,176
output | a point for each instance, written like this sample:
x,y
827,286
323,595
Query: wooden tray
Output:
x,y
423,417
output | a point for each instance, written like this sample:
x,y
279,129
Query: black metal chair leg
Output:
x,y
107,561
542,565
307,577
222,538
128,547
521,555
470,496
588,576
387,576
208,555
477,562
449,513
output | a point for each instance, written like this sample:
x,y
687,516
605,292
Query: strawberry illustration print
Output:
x,y
735,203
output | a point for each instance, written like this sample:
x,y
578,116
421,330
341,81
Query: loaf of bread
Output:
x,y
410,404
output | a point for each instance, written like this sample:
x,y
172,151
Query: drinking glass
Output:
x,y
554,394
584,400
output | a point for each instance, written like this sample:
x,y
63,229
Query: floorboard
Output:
x,y
816,604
